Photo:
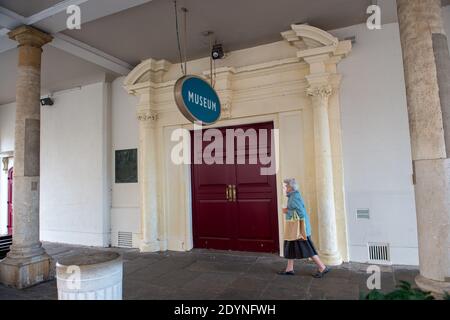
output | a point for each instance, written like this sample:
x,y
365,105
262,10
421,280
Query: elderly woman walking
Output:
x,y
298,243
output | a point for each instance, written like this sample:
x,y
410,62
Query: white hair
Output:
x,y
292,183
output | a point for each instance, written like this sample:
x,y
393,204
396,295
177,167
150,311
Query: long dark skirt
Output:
x,y
299,249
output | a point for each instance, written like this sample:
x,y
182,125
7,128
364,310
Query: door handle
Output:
x,y
229,194
234,193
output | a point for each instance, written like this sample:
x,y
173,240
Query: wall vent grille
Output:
x,y
363,214
125,239
379,253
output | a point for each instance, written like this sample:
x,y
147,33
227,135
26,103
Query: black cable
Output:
x,y
178,37
185,11
215,74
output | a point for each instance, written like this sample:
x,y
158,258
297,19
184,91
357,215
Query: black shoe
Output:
x,y
320,275
286,273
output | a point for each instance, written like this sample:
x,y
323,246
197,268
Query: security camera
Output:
x,y
217,52
47,101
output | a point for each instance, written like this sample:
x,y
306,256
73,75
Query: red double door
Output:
x,y
234,205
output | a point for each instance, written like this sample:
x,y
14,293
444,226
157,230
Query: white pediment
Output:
x,y
311,41
146,71
306,37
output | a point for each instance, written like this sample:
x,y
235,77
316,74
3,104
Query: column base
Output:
x,y
331,260
154,246
437,288
22,273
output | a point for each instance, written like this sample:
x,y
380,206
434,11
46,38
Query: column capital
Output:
x,y
147,116
29,36
5,164
323,91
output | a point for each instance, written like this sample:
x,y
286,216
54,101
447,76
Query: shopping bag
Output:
x,y
295,228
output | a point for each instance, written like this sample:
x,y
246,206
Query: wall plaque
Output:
x,y
127,166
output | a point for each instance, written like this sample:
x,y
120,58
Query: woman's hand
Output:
x,y
285,210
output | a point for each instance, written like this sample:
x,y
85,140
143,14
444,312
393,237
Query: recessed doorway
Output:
x,y
234,205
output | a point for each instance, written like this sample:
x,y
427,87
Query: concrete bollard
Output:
x,y
90,275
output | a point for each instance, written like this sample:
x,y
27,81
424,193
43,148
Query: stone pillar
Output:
x,y
322,52
142,82
328,244
27,263
427,75
148,174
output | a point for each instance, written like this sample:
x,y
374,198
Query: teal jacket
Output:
x,y
296,204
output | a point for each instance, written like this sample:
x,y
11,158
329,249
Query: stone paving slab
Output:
x,y
206,275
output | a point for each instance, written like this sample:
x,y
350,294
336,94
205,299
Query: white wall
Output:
x,y
125,213
7,119
376,143
75,166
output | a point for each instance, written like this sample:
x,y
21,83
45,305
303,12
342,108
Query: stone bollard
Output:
x,y
90,275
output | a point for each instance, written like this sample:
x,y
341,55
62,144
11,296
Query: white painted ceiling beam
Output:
x,y
51,11
10,19
88,53
54,19
90,10
4,32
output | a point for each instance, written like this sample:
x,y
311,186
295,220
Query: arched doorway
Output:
x,y
10,200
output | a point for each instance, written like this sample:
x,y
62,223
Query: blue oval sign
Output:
x,y
197,100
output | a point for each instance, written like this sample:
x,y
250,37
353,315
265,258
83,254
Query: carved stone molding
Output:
x,y
150,70
323,92
5,164
147,74
29,36
223,85
306,37
226,99
147,116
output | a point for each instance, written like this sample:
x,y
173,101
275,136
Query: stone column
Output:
x,y
427,75
328,244
143,82
148,179
322,52
27,263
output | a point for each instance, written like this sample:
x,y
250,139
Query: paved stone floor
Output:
x,y
202,275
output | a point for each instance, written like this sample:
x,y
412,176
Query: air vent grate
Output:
x,y
379,253
363,214
125,239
